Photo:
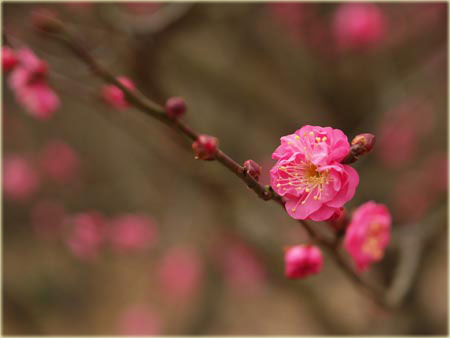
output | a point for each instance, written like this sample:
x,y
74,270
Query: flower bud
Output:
x,y
302,260
253,169
364,143
46,21
175,107
9,59
205,147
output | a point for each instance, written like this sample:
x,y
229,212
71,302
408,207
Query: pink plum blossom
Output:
x,y
309,175
29,82
368,234
180,273
132,232
60,161
114,96
20,179
87,235
139,320
9,59
358,25
47,219
301,261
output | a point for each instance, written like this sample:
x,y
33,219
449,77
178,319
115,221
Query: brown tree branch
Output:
x,y
137,99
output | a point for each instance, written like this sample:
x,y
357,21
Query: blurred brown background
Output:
x,y
250,73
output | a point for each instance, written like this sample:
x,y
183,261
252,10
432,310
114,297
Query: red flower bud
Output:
x,y
9,59
364,143
253,169
205,147
175,107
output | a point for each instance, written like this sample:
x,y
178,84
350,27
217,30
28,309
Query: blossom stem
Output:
x,y
157,111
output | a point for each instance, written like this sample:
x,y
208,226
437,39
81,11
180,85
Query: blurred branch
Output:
x,y
412,239
136,98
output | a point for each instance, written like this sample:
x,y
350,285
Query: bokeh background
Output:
x,y
117,230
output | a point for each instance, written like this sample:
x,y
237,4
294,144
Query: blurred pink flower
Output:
x,y
9,59
368,234
309,174
243,269
400,132
301,261
132,232
139,320
47,219
180,273
60,161
358,25
87,235
114,96
20,180
29,82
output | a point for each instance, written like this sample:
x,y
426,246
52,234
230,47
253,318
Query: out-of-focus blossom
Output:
x,y
401,130
114,96
301,261
139,320
87,235
20,180
180,273
79,5
243,270
47,219
132,232
309,174
29,82
60,161
358,25
368,234
9,59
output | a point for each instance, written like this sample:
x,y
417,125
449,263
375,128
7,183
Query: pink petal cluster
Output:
x,y
358,25
180,273
29,82
87,235
368,234
20,180
47,219
139,320
59,161
132,232
302,261
309,175
114,96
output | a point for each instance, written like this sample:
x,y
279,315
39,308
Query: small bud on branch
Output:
x,y
205,147
253,169
175,107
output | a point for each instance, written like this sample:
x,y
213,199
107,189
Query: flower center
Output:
x,y
303,177
372,245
